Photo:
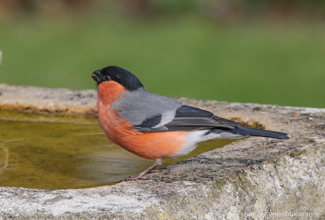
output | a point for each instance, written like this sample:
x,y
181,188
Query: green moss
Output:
x,y
296,154
245,184
219,184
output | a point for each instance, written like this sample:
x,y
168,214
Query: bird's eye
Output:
x,y
106,78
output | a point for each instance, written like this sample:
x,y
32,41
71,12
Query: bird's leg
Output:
x,y
141,175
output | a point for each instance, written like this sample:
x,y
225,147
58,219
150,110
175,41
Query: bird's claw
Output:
x,y
159,170
135,178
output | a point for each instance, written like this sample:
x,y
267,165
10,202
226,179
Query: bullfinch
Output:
x,y
155,126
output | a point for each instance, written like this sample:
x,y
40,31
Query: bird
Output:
x,y
154,126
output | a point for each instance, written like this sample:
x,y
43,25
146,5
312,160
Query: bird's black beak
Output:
x,y
97,76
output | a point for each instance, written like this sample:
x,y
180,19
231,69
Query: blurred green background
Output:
x,y
270,51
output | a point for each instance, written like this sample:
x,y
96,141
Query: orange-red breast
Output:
x,y
154,126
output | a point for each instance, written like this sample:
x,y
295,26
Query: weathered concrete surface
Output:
x,y
255,178
37,99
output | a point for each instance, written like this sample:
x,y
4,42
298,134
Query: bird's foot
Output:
x,y
135,178
159,170
141,175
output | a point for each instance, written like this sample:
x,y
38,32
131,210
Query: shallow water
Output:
x,y
60,152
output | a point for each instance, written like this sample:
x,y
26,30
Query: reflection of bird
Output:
x,y
4,159
154,126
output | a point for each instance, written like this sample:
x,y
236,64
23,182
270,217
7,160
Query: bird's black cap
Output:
x,y
118,74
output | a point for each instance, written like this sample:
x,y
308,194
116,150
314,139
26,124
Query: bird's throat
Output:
x,y
110,92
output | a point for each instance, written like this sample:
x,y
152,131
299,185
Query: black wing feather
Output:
x,y
191,118
150,122
189,111
186,118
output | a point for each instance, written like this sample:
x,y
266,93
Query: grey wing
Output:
x,y
146,110
185,118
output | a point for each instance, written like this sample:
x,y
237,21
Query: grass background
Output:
x,y
188,56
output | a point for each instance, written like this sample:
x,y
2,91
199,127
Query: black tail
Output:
x,y
259,132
